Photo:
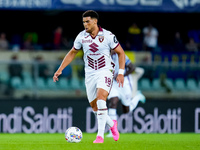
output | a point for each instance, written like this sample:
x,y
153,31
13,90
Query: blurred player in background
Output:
x,y
96,43
128,94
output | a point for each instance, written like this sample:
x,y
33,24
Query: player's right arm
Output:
x,y
121,57
66,61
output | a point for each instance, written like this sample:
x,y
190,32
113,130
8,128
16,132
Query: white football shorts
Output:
x,y
102,79
123,93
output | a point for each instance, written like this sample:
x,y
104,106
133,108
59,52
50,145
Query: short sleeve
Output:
x,y
77,42
113,41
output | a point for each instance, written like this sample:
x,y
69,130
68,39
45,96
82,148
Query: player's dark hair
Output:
x,y
91,13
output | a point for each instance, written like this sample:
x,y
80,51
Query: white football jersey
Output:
x,y
96,50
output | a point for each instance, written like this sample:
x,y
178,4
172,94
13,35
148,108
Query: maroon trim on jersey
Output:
x,y
102,62
111,85
116,46
90,59
102,109
102,66
93,47
96,64
90,63
75,48
100,29
113,65
93,37
101,58
91,66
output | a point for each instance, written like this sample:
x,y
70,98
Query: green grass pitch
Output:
x,y
129,141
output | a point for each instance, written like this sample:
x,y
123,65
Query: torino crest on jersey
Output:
x,y
101,38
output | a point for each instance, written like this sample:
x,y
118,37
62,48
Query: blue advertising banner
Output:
x,y
26,4
131,5
105,5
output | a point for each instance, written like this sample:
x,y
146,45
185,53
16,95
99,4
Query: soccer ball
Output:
x,y
73,135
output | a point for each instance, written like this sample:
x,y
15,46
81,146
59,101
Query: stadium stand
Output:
x,y
176,77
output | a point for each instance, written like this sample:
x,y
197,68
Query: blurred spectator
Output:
x,y
4,44
57,38
192,46
15,68
195,34
163,79
27,45
30,41
134,38
150,41
178,45
41,68
16,42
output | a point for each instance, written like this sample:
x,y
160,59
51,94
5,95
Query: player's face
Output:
x,y
89,24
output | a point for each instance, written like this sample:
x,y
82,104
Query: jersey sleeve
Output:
x,y
113,41
77,42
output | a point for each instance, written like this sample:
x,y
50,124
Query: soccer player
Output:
x,y
128,94
96,44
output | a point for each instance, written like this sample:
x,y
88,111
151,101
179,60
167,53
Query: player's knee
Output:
x,y
101,94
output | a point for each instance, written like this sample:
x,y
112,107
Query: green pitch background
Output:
x,y
132,141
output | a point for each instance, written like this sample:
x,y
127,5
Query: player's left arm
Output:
x,y
121,56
